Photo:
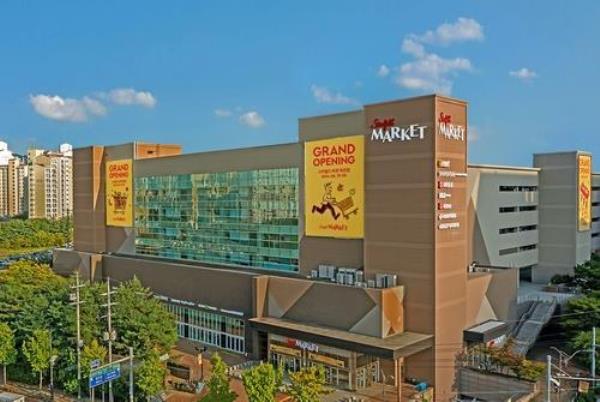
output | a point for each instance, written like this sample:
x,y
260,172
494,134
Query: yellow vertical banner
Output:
x,y
119,193
584,192
334,187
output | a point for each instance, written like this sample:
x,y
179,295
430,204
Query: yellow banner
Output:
x,y
119,193
334,187
585,192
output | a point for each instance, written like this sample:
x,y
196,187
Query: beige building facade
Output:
x,y
223,239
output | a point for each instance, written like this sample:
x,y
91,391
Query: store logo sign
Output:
x,y
311,347
449,130
386,130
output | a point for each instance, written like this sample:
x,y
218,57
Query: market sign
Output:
x,y
119,193
584,192
449,130
334,187
386,130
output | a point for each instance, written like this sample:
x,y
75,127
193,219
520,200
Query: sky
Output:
x,y
227,74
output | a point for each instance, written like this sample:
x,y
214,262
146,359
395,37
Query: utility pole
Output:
x,y
593,356
77,302
548,377
130,374
110,336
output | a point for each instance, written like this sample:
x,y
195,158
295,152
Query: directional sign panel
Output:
x,y
105,374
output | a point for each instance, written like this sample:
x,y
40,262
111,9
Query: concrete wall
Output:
x,y
595,213
495,387
562,246
493,241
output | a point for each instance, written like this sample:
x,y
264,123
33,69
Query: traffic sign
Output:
x,y
105,374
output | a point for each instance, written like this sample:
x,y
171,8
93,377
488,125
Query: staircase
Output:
x,y
529,327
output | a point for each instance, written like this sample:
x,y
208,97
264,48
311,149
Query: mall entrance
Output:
x,y
344,369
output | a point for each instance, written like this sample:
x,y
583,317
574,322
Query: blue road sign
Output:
x,y
104,375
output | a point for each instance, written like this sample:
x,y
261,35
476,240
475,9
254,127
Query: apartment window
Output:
x,y
504,210
507,251
596,219
595,188
595,234
507,230
527,228
525,208
595,204
509,188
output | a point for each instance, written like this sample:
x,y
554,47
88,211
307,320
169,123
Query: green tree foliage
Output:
x,y
33,297
218,383
582,314
583,341
34,233
8,352
261,383
308,384
89,353
37,349
151,375
142,321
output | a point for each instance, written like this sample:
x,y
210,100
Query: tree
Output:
x,y
8,352
218,384
582,313
261,383
37,349
150,376
142,321
89,353
308,384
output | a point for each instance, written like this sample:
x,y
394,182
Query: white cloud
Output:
x,y
59,108
429,72
66,109
473,134
383,71
464,29
223,113
412,47
524,74
324,95
252,119
129,96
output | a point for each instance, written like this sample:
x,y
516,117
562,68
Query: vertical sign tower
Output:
x,y
415,221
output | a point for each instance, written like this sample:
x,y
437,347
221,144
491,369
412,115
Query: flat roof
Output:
x,y
392,347
504,167
486,326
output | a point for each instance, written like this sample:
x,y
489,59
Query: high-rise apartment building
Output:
x,y
50,183
13,183
38,185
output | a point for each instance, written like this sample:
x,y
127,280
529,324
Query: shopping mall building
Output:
x,y
370,246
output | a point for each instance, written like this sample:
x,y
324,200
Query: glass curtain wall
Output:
x,y
247,218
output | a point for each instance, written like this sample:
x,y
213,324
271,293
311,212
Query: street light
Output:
x,y
52,361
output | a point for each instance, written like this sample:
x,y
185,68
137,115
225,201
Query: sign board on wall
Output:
x,y
119,193
584,192
334,187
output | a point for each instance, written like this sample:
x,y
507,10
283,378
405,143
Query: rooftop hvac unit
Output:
x,y
340,278
349,279
314,274
370,283
331,271
379,280
360,276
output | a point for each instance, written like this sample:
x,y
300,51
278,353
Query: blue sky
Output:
x,y
225,74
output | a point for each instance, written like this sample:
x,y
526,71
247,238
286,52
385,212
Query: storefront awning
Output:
x,y
393,347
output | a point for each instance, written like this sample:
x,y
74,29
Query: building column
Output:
x,y
398,377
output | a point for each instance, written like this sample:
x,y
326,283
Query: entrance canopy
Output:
x,y
392,347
